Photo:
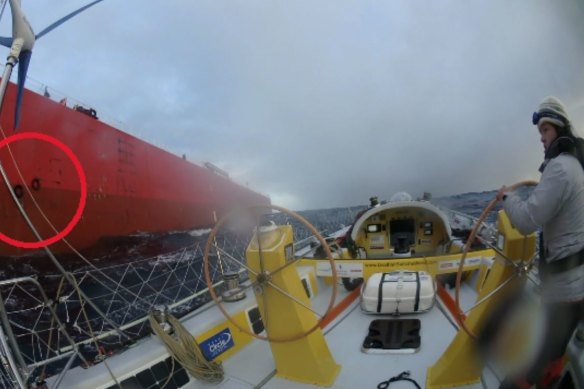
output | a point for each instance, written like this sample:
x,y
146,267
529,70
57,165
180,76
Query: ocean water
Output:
x,y
130,262
139,247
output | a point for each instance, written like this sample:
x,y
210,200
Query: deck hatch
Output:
x,y
393,335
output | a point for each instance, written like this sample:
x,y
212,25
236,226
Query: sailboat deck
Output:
x,y
254,367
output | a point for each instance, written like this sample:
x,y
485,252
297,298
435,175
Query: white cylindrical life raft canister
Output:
x,y
398,292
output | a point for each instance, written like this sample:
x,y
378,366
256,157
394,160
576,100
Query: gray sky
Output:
x,y
324,103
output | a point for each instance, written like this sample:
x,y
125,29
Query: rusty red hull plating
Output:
x,y
133,187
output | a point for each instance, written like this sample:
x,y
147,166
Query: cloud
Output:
x,y
325,104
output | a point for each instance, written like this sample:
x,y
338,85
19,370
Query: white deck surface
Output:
x,y
253,366
359,370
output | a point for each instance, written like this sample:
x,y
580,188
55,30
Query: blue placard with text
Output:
x,y
217,344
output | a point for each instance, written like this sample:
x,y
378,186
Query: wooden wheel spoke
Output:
x,y
265,316
289,263
492,293
296,300
496,249
240,263
250,285
262,277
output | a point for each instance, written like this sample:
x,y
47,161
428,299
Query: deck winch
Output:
x,y
233,292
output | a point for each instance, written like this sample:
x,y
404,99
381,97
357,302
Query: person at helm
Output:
x,y
556,208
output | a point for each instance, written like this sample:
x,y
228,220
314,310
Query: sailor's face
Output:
x,y
548,134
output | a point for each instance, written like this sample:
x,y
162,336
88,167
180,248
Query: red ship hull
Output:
x,y
133,187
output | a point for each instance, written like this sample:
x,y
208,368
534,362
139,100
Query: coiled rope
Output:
x,y
184,348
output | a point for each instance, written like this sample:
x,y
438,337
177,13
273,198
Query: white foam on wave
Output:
x,y
200,232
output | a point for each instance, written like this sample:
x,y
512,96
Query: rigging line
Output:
x,y
10,334
185,275
142,260
24,291
258,233
3,8
264,294
110,289
145,318
11,366
145,283
137,296
38,236
114,292
218,255
8,329
49,253
215,244
239,262
94,338
158,293
39,208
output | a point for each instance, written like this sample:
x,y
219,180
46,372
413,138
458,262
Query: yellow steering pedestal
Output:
x,y
298,344
460,364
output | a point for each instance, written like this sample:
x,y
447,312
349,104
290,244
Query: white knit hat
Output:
x,y
555,109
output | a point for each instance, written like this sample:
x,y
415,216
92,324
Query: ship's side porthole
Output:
x,y
35,184
18,191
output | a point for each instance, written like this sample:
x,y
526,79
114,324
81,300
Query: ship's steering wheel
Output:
x,y
520,270
217,258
